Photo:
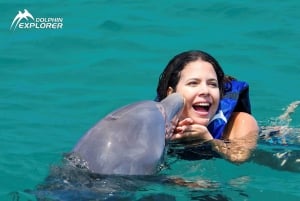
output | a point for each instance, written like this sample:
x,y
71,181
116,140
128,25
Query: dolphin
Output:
x,y
131,140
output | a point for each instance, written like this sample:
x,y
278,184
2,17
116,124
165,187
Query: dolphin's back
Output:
x,y
129,141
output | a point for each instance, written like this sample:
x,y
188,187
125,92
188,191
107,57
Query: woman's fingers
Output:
x,y
186,121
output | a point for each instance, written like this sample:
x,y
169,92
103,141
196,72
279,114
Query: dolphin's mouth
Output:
x,y
170,127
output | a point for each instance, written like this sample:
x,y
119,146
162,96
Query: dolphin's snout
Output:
x,y
173,106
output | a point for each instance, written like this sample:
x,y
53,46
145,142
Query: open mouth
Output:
x,y
201,107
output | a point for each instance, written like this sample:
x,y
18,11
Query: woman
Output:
x,y
217,109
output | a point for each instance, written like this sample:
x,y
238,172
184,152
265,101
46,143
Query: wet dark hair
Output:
x,y
171,74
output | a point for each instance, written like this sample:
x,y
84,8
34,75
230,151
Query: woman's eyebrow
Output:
x,y
213,79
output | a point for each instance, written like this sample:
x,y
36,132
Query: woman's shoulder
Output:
x,y
242,124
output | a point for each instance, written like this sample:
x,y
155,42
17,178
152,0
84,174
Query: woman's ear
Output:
x,y
170,91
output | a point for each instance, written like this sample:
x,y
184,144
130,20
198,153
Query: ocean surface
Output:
x,y
55,83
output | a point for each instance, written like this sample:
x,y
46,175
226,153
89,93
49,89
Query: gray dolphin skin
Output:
x,y
132,139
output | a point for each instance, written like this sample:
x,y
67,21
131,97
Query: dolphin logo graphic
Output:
x,y
19,17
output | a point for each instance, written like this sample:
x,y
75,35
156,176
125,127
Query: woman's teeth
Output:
x,y
201,106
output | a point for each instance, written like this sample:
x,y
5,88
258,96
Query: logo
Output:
x,y
26,20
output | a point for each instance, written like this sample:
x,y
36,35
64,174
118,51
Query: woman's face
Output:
x,y
198,84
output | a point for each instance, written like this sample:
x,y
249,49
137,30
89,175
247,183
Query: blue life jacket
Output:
x,y
235,99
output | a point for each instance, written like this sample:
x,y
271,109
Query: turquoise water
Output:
x,y
55,84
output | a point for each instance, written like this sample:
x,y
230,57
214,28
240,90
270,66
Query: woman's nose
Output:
x,y
203,89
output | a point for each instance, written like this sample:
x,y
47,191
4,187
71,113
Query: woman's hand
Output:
x,y
186,130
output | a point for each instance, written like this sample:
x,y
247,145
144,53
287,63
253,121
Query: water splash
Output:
x,y
279,143
278,130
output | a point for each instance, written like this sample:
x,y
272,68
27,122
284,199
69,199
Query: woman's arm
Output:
x,y
239,138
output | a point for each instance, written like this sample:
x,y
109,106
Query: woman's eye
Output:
x,y
213,84
193,83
